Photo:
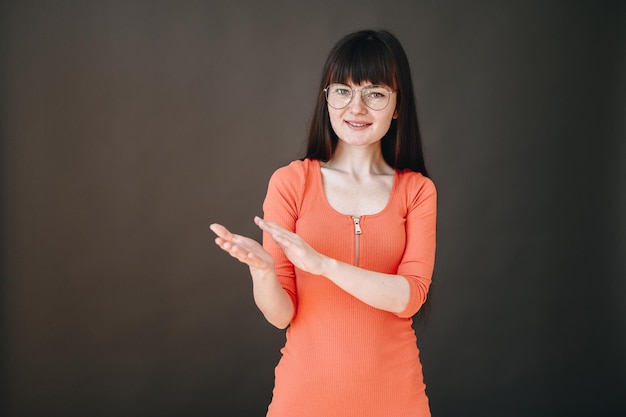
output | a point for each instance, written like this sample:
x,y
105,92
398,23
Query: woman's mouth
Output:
x,y
357,124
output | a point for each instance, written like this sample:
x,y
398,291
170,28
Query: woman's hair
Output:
x,y
376,57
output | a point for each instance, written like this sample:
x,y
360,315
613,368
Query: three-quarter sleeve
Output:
x,y
418,261
282,205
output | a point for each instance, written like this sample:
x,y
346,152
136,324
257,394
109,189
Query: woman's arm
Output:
x,y
273,301
383,291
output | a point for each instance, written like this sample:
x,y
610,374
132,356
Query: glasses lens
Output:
x,y
376,97
338,95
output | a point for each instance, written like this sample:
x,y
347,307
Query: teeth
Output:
x,y
357,124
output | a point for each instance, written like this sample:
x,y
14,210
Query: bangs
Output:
x,y
363,59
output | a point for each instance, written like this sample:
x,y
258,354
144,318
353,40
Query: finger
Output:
x,y
229,244
267,226
225,245
236,247
282,240
277,232
233,250
221,231
226,236
285,239
249,258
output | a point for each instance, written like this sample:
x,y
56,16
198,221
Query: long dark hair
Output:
x,y
377,57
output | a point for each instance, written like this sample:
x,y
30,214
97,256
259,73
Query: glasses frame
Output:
x,y
359,90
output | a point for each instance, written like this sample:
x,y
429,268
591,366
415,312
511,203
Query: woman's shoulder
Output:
x,y
416,186
412,179
294,174
294,171
289,182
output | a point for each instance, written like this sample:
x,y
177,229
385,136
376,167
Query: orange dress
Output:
x,y
342,357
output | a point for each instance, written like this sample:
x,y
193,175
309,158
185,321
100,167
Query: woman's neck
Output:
x,y
359,161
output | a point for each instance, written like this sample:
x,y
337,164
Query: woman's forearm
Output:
x,y
272,299
383,291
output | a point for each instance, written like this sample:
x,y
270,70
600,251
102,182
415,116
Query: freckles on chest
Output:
x,y
359,199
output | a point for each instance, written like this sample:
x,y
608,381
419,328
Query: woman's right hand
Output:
x,y
273,301
244,249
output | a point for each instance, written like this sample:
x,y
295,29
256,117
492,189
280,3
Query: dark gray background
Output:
x,y
128,127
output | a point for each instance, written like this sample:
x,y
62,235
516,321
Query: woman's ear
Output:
x,y
395,114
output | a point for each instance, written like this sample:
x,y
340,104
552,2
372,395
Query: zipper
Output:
x,y
357,233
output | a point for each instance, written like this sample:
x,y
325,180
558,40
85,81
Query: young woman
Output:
x,y
349,244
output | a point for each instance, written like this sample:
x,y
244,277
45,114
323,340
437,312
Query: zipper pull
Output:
x,y
357,225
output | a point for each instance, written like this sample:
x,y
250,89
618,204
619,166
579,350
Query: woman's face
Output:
x,y
357,124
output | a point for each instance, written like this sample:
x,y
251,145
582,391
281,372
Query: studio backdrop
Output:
x,y
128,127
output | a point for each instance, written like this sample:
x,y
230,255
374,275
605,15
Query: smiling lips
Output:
x,y
357,124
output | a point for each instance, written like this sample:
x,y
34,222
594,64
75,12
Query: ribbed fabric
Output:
x,y
343,358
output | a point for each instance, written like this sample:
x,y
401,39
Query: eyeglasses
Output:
x,y
376,97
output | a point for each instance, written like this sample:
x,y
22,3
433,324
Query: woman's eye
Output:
x,y
375,94
342,91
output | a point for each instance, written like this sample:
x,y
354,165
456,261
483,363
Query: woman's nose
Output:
x,y
357,105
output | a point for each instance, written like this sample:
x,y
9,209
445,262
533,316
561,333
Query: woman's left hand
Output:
x,y
299,253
